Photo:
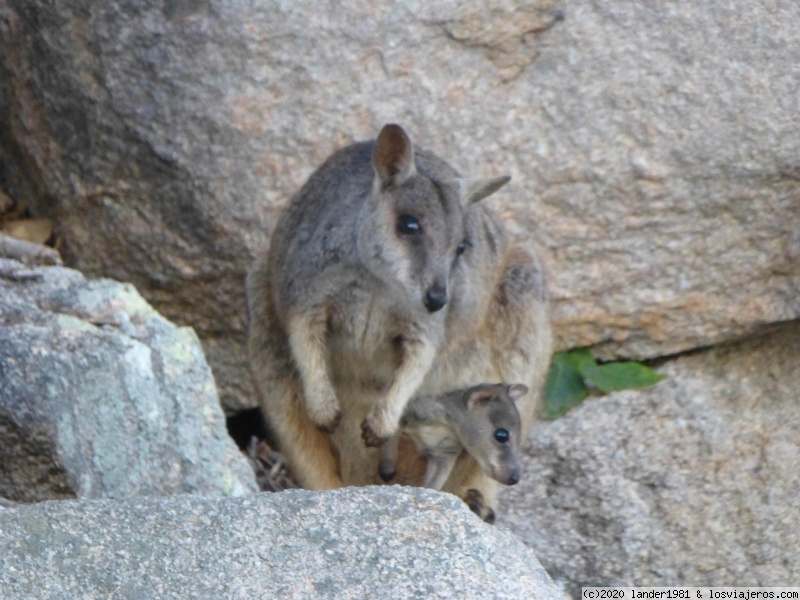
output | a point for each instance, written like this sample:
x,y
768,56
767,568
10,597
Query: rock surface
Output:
x,y
694,482
653,148
350,543
102,397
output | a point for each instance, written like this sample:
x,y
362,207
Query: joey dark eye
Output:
x,y
461,248
406,224
501,435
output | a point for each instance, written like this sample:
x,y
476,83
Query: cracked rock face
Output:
x,y
693,482
653,148
101,397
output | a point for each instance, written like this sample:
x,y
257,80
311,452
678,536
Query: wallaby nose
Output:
x,y
514,477
435,299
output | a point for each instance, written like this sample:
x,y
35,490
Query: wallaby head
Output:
x,y
491,429
411,233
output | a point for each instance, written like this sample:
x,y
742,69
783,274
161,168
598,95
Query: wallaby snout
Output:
x,y
435,298
513,477
505,472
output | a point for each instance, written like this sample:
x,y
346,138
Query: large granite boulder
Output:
x,y
653,148
101,397
350,543
694,482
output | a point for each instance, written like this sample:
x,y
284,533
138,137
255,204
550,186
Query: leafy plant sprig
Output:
x,y
574,372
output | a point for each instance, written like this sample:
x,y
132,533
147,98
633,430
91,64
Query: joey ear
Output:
x,y
393,156
517,390
475,189
483,393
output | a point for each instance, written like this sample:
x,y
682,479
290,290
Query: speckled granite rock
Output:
x,y
350,543
102,397
693,482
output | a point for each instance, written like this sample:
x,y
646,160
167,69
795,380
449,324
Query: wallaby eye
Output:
x,y
501,435
406,224
462,247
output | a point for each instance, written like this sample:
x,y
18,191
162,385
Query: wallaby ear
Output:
x,y
517,390
393,156
475,189
482,394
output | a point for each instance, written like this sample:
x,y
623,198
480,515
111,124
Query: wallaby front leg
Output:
x,y
387,467
383,419
307,331
476,488
439,469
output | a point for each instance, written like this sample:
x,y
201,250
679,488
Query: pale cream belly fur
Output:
x,y
364,353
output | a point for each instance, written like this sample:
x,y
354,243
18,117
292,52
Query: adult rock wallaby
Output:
x,y
348,308
482,420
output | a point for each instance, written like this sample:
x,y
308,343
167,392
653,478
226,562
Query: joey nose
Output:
x,y
513,478
435,299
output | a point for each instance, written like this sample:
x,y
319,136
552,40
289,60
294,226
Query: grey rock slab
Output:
x,y
100,396
350,543
693,482
653,146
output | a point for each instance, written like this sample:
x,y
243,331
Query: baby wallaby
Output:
x,y
483,420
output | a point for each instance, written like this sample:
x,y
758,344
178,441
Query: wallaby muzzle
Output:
x,y
435,299
507,474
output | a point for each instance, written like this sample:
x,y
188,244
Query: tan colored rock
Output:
x,y
654,148
693,482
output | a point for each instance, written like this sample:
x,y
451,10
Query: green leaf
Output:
x,y
573,371
564,388
581,359
616,376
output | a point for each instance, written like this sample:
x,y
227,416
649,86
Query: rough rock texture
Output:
x,y
653,146
102,397
694,482
351,543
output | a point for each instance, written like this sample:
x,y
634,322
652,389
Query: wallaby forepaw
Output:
x,y
329,423
371,437
476,503
386,473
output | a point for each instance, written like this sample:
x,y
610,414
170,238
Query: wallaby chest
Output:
x,y
366,332
435,438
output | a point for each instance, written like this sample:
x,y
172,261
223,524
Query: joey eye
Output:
x,y
461,248
406,224
501,435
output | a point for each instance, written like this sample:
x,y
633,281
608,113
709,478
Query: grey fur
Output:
x,y
444,426
348,310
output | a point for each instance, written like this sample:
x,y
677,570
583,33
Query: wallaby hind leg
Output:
x,y
476,488
307,450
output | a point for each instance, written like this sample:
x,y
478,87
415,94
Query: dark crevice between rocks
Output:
x,y
248,423
252,435
766,330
